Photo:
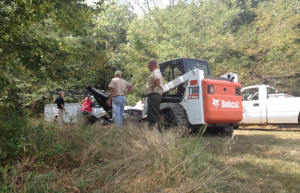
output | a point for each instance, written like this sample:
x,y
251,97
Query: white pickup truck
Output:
x,y
262,105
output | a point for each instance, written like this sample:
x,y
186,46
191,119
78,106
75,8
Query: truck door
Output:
x,y
251,106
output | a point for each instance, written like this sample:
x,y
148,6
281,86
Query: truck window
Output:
x,y
270,91
250,94
192,64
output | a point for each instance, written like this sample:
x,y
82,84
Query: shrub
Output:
x,y
12,138
18,139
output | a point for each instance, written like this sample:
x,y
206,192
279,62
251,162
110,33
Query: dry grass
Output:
x,y
134,159
260,161
108,159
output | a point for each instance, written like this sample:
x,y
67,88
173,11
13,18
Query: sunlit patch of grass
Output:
x,y
260,161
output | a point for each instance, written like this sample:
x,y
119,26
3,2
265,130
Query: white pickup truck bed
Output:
x,y
73,109
262,106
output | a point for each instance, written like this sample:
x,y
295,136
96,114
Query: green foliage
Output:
x,y
37,182
33,50
18,139
62,45
4,178
258,40
11,139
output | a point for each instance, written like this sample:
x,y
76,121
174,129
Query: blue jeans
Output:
x,y
118,105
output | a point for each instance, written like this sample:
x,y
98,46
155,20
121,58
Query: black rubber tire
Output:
x,y
227,131
166,119
236,127
173,115
132,116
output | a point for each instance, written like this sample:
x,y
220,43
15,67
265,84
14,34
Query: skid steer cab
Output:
x,y
196,100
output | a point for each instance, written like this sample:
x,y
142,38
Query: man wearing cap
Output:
x,y
60,107
154,90
117,98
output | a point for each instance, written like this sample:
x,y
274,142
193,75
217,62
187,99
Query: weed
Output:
x,y
19,139
80,158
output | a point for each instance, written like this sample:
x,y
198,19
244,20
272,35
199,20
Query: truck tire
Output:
x,y
227,131
173,115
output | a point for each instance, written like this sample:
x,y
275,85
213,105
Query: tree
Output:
x,y
32,56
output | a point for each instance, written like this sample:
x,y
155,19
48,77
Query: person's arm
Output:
x,y
54,99
111,95
112,92
130,89
63,107
156,83
81,103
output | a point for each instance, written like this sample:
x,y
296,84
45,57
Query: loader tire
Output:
x,y
227,131
173,115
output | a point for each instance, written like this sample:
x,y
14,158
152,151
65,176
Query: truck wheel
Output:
x,y
132,116
227,131
167,119
173,115
299,119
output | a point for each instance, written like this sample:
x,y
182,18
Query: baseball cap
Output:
x,y
118,72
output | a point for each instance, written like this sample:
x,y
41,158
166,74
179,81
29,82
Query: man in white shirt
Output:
x,y
154,91
117,98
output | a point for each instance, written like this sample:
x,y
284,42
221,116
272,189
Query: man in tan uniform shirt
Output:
x,y
154,91
117,98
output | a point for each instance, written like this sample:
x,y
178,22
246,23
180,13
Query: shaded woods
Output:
x,y
49,45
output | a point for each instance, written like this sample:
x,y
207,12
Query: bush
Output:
x,y
11,138
18,139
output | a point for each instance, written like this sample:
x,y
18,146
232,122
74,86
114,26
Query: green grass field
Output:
x,y
107,159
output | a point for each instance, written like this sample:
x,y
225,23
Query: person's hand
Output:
x,y
108,102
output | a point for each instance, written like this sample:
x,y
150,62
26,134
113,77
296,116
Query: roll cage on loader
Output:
x,y
193,99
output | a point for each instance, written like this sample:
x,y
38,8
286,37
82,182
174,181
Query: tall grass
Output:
x,y
109,159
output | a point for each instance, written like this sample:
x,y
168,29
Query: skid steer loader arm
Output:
x,y
100,97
